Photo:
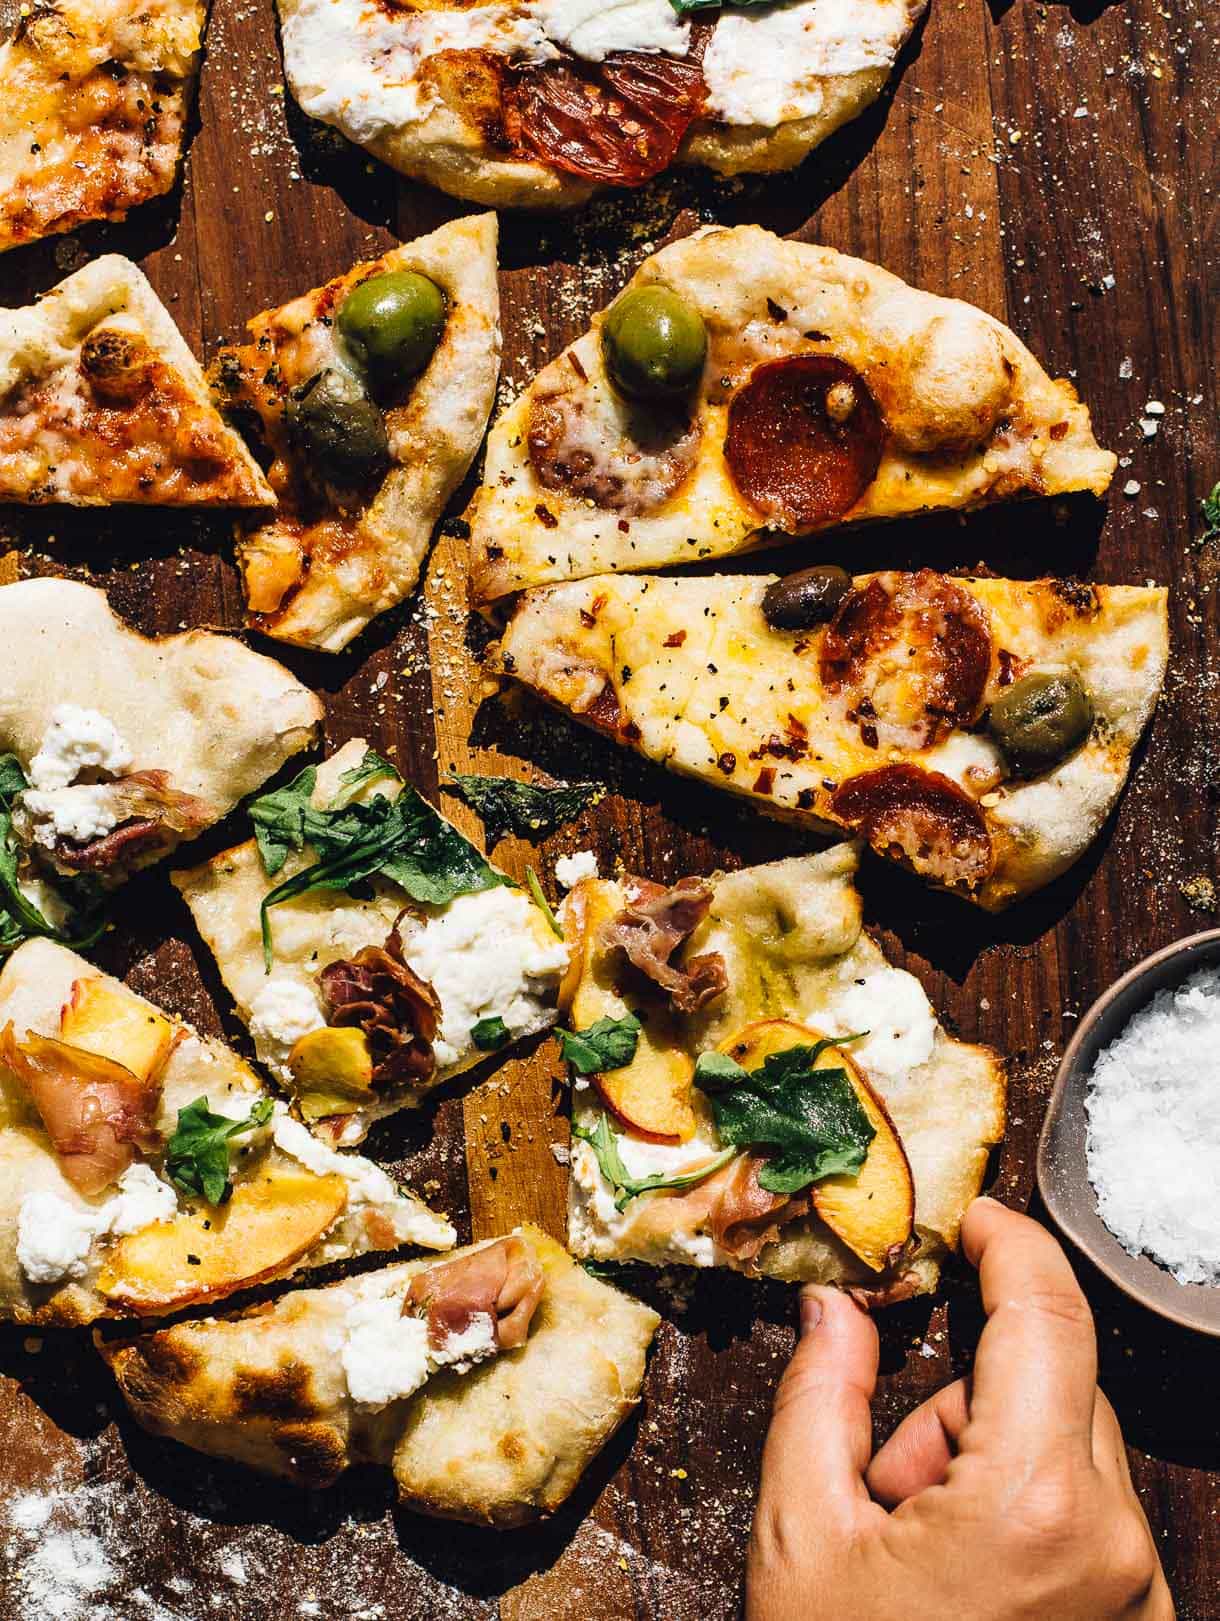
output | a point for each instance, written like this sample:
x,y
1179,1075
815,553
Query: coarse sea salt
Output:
x,y
1153,1104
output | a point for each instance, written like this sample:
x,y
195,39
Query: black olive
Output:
x,y
807,598
333,422
1040,719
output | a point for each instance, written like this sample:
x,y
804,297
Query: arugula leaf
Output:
x,y
19,917
608,1044
604,1143
540,901
12,780
197,1156
490,1034
1210,507
279,819
524,808
810,1118
371,767
683,7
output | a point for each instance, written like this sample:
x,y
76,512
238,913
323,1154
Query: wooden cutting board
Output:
x,y
1056,165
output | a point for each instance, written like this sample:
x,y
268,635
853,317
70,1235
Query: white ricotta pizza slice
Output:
x,y
367,399
756,1087
101,402
487,1382
144,1168
361,1006
744,388
539,103
94,96
117,747
978,731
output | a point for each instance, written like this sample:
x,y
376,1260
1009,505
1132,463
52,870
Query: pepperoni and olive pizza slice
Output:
x,y
744,388
541,102
93,103
367,399
101,402
978,731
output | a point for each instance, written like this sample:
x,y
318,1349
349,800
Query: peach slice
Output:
x,y
270,1222
108,1021
650,1096
873,1212
332,1069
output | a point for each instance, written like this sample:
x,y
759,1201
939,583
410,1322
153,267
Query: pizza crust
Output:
x,y
500,1445
971,416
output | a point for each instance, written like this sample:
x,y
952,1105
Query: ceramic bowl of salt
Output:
x,y
1129,1157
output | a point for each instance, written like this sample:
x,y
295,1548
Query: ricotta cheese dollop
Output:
x,y
284,1010
54,1237
891,1006
80,813
76,741
387,1355
569,870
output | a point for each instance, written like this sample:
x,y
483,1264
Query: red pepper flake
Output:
x,y
574,362
675,639
765,780
546,517
1059,430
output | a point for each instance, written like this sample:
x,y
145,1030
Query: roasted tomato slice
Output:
x,y
921,817
804,440
619,122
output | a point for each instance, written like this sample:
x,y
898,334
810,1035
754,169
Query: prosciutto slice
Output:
x,y
742,1217
397,1010
652,927
97,1114
502,1281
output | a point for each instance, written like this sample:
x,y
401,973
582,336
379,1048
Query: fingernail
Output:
x,y
811,1312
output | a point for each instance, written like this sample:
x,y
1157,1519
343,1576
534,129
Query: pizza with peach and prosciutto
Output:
x,y
977,731
744,388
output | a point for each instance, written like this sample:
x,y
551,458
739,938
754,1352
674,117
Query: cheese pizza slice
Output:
x,y
539,103
117,747
361,1004
756,1087
744,388
978,731
144,1168
102,402
369,398
93,104
487,1381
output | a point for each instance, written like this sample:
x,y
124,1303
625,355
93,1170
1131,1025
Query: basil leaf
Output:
x,y
810,1119
490,1034
19,917
197,1155
626,1187
12,780
524,808
608,1044
1210,508
279,819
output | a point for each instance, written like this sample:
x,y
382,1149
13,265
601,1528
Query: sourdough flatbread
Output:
x,y
953,412
101,402
499,1445
330,561
37,982
794,949
93,105
538,103
887,740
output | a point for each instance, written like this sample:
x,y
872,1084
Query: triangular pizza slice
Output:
x,y
978,731
93,106
487,1381
144,1168
743,388
369,397
101,402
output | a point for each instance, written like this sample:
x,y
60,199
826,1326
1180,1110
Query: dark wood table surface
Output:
x,y
1055,164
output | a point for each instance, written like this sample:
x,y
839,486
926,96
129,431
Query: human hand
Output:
x,y
1004,1497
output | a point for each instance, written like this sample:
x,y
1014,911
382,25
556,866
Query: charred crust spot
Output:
x,y
282,1392
1078,595
511,1447
315,1454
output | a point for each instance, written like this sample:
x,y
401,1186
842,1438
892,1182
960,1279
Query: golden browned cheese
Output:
x,y
92,108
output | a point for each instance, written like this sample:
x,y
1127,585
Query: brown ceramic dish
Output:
x,y
1062,1171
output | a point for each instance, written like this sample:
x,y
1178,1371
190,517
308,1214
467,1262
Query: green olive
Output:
x,y
1039,720
392,324
334,423
807,598
654,344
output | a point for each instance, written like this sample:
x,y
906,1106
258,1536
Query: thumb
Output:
x,y
820,1440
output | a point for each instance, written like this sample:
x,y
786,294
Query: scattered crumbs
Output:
x,y
562,1153
1199,892
1132,487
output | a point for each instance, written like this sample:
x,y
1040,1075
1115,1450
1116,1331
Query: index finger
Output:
x,y
1035,1371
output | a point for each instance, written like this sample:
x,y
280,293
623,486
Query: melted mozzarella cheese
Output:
x,y
970,759
594,28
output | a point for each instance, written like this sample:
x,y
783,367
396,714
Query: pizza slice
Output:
x,y
102,402
744,388
117,747
487,1382
978,731
93,104
144,1168
368,398
361,1004
539,103
756,1087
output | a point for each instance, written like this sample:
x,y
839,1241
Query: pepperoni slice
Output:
x,y
804,440
911,653
618,122
921,817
